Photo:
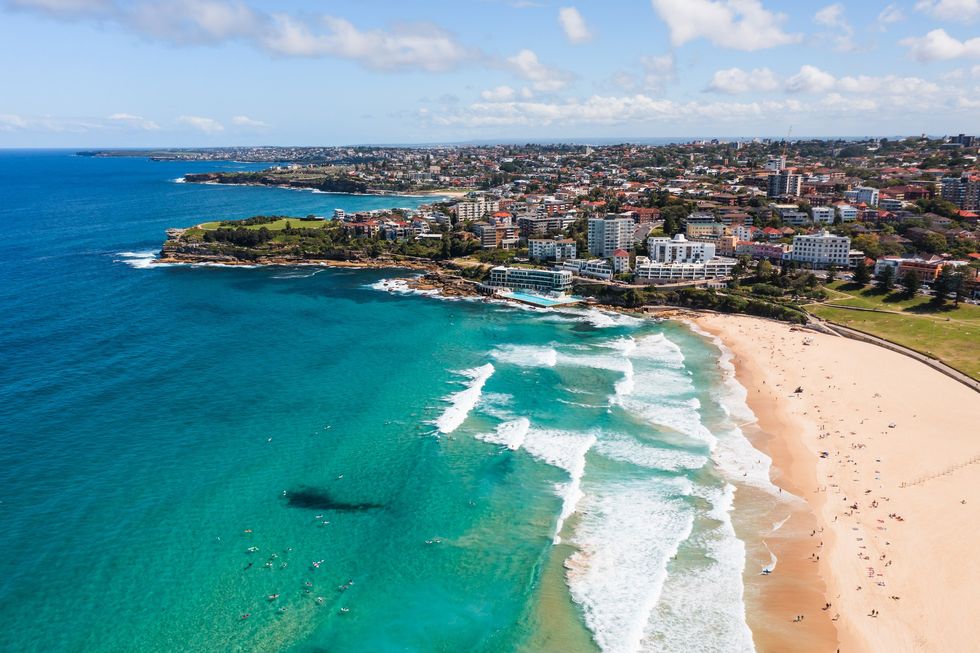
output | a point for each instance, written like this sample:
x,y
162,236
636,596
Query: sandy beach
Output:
x,y
885,453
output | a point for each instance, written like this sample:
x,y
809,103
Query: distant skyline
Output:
x,y
178,73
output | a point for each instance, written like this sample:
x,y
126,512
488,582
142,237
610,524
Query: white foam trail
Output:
x,y
779,524
510,434
527,355
623,448
297,275
702,606
627,534
462,402
180,180
771,567
567,451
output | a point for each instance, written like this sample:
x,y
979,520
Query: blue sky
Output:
x,y
224,72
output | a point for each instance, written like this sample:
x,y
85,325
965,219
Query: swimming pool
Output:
x,y
538,300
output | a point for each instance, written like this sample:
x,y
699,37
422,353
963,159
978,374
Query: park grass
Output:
x,y
950,334
278,225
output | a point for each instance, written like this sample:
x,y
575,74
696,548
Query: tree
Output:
x,y
831,273
943,284
886,280
672,217
765,270
959,287
934,243
911,284
862,275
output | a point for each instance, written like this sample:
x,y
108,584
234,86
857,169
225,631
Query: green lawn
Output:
x,y
278,225
949,334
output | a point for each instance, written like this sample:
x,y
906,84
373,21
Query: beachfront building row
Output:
x,y
557,281
648,271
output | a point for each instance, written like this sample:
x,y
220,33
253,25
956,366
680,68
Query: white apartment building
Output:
x,y
529,279
476,209
679,250
597,268
658,272
541,249
821,250
867,195
824,214
847,212
610,233
776,163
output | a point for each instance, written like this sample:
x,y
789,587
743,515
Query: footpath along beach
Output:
x,y
885,452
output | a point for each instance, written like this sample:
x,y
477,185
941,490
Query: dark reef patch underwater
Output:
x,y
317,499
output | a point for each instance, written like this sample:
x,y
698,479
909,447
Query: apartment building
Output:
x,y
821,249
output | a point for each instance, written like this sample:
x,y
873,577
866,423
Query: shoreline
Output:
x,y
448,194
864,427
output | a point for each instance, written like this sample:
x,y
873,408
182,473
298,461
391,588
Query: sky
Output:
x,y
169,73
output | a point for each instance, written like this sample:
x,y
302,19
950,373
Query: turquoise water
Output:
x,y
466,476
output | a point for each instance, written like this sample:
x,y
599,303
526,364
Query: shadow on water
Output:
x,y
318,499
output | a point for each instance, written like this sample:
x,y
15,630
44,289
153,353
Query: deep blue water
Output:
x,y
156,423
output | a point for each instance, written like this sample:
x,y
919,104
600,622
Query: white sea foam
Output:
x,y
179,180
140,260
771,567
702,606
776,526
567,451
625,538
527,355
607,319
510,434
401,286
462,402
624,448
740,462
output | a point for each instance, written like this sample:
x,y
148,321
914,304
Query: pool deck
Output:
x,y
539,301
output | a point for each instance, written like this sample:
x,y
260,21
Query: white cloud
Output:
x,y
810,79
954,10
890,15
64,8
937,45
498,94
830,16
251,123
891,85
10,122
658,71
840,31
543,78
735,80
206,125
737,24
420,46
576,31
136,122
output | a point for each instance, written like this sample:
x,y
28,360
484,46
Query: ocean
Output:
x,y
305,459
